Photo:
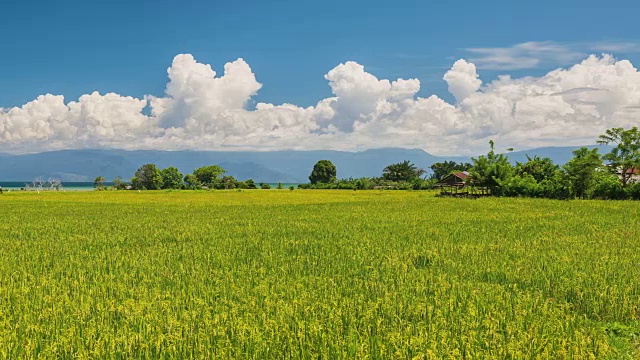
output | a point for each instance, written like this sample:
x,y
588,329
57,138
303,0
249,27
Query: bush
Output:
x,y
265,186
420,184
363,184
519,185
249,184
632,191
554,189
608,186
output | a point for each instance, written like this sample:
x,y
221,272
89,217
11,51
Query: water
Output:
x,y
66,185
88,186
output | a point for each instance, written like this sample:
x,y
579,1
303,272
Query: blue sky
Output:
x,y
74,47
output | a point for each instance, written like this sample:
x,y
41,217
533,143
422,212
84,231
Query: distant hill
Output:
x,y
270,167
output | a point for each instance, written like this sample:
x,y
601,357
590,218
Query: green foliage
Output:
x,y
539,168
558,187
171,178
209,175
226,183
191,182
402,172
607,186
632,191
363,184
490,170
421,184
323,172
520,185
98,183
147,177
265,186
280,186
248,184
316,274
119,184
625,156
442,169
371,184
581,171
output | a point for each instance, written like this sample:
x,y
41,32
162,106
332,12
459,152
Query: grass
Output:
x,y
316,274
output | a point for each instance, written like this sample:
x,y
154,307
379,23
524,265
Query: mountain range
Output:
x,y
269,167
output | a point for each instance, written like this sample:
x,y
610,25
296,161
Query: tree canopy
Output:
x,y
539,168
323,172
191,182
403,171
209,175
171,178
488,171
98,182
147,177
581,170
624,158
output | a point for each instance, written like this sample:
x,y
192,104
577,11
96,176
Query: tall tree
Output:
x,y
209,175
404,171
171,178
323,172
147,177
491,170
581,170
625,156
98,183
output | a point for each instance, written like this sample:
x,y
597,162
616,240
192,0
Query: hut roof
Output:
x,y
461,175
454,179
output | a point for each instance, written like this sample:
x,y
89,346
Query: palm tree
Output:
x,y
404,171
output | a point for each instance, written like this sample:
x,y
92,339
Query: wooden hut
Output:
x,y
453,184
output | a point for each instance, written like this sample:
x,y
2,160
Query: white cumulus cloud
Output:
x,y
202,109
463,80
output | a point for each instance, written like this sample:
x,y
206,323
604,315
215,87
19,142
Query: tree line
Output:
x,y
587,175
150,177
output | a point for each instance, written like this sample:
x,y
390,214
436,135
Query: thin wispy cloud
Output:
x,y
528,55
616,47
543,54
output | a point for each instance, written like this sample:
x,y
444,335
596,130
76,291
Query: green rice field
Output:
x,y
312,274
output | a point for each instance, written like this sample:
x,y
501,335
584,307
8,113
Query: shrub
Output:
x,y
519,185
608,186
632,191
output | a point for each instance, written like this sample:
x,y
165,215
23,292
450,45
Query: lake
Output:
x,y
83,186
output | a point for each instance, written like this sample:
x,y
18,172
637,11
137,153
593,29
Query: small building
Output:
x,y
458,179
454,184
633,174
